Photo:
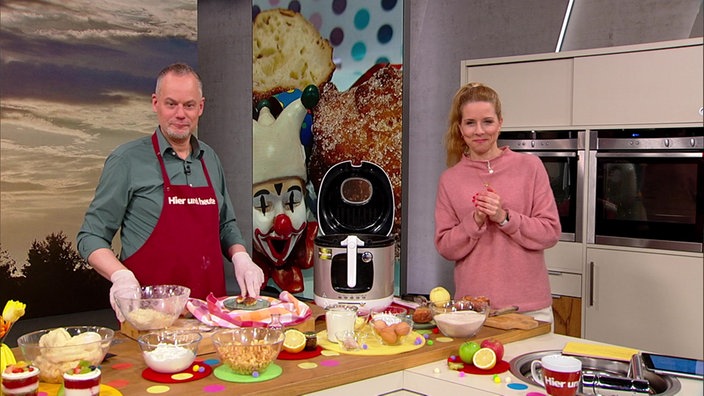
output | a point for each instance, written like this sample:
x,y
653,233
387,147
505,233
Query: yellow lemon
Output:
x,y
294,341
439,294
484,359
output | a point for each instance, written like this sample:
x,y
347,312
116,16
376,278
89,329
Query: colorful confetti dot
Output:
x,y
201,369
215,388
436,370
196,367
118,383
508,380
255,374
461,374
430,342
497,379
517,386
156,389
181,376
365,346
426,336
307,365
330,363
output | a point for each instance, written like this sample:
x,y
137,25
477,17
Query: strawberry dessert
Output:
x,y
82,380
20,379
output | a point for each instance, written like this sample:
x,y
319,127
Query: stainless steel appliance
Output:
x,y
646,188
563,155
354,258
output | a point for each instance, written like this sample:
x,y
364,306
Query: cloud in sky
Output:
x,y
77,76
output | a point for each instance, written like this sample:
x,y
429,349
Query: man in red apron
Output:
x,y
167,195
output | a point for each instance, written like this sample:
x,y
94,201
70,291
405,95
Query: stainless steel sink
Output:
x,y
663,385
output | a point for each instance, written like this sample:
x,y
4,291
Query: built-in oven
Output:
x,y
563,155
646,188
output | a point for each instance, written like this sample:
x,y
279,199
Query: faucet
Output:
x,y
605,384
635,367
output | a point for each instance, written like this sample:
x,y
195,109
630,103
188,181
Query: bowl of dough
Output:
x,y
55,351
247,350
152,307
169,351
460,318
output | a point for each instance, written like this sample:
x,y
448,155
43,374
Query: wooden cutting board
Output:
x,y
511,321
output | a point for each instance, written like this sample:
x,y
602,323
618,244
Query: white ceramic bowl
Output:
x,y
152,307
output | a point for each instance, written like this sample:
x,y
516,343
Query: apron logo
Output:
x,y
191,201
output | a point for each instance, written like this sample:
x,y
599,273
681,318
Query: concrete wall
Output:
x,y
438,35
225,65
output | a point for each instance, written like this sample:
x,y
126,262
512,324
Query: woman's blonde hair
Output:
x,y
471,92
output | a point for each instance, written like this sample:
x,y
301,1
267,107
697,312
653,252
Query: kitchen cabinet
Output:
x,y
645,300
535,93
565,262
567,315
566,289
641,87
645,84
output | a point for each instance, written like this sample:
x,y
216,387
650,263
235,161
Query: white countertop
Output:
x,y
436,379
486,383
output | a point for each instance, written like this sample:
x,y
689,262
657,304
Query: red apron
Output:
x,y
184,248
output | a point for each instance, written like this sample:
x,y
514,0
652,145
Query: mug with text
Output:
x,y
560,374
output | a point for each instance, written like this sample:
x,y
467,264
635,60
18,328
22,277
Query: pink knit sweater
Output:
x,y
506,263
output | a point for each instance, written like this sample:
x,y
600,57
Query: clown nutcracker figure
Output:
x,y
283,231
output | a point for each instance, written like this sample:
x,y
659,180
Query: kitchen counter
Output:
x,y
436,379
423,371
123,371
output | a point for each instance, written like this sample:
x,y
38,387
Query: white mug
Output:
x,y
560,374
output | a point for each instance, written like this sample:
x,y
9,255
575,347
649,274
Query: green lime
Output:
x,y
467,351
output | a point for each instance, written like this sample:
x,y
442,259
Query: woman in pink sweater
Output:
x,y
495,212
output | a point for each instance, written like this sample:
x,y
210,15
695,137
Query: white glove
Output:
x,y
121,280
249,276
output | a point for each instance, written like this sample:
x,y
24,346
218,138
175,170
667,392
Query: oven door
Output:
x,y
648,199
566,170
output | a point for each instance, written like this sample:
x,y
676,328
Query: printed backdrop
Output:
x,y
77,76
356,117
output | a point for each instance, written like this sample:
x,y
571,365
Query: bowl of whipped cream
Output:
x,y
169,351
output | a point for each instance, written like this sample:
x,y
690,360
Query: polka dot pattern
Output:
x,y
361,32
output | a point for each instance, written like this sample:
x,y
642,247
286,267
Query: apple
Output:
x,y
467,351
494,345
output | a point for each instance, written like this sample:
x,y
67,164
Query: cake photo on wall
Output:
x,y
294,65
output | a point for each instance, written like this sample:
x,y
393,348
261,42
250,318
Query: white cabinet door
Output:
x,y
645,87
645,301
533,94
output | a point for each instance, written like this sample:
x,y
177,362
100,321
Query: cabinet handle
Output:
x,y
556,273
591,283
